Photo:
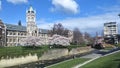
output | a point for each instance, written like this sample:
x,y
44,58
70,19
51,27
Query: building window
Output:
x,y
18,33
14,33
10,33
10,40
32,18
18,40
42,34
28,17
13,40
7,40
7,33
21,33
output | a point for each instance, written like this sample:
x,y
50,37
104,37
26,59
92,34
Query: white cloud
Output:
x,y
67,6
0,4
42,23
114,8
17,1
91,24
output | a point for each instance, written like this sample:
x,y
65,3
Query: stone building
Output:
x,y
17,32
2,34
11,34
14,34
32,29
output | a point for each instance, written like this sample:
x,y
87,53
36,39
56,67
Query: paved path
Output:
x,y
94,55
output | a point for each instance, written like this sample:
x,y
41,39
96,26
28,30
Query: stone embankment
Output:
x,y
57,53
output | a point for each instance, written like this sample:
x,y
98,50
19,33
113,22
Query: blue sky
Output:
x,y
87,15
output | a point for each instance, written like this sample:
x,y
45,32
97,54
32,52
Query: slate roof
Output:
x,y
22,28
15,27
113,23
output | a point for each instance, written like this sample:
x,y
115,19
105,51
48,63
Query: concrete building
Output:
x,y
111,32
110,28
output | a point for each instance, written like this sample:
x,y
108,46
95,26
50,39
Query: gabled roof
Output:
x,y
15,27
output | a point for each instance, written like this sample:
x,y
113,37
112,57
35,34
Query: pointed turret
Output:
x,y
30,10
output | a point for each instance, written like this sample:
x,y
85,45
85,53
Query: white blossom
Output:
x,y
59,40
32,41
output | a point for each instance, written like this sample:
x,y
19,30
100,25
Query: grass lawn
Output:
x,y
69,63
11,52
110,61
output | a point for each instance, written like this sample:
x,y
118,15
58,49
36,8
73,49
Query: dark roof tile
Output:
x,y
22,28
15,27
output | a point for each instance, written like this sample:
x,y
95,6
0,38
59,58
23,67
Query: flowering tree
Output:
x,y
59,40
32,41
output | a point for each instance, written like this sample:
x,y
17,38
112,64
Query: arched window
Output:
x,y
35,31
28,17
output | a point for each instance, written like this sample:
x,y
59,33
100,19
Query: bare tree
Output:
x,y
77,37
59,30
88,39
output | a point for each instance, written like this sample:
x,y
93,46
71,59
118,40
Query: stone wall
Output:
x,y
53,54
79,50
57,53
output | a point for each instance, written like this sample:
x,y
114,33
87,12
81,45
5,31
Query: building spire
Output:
x,y
31,22
31,9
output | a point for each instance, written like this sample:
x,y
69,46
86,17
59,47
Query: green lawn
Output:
x,y
69,63
110,61
11,52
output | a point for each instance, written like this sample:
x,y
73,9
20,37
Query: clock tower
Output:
x,y
32,29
